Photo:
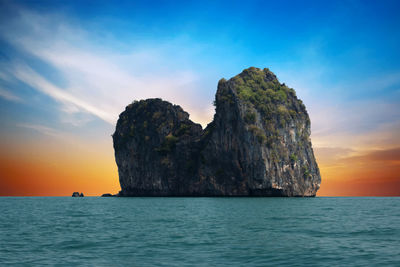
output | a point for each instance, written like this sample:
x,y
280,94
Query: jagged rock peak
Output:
x,y
257,144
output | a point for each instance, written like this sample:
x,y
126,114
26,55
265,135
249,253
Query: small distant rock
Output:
x,y
107,195
77,194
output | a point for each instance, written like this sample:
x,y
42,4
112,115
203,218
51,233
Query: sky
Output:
x,y
68,68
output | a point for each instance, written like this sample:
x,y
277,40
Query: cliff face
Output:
x,y
257,145
153,142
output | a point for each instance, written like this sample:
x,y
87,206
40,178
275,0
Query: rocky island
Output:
x,y
77,194
258,144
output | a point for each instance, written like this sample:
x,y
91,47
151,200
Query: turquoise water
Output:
x,y
199,231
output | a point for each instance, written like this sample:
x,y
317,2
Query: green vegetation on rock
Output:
x,y
256,145
259,134
183,129
293,158
306,172
168,144
262,90
250,117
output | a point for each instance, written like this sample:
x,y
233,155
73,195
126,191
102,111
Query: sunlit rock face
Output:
x,y
258,144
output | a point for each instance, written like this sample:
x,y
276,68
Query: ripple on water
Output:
x,y
200,231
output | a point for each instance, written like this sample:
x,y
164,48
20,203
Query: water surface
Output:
x,y
92,231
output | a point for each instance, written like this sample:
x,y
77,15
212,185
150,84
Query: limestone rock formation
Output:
x,y
107,195
76,194
258,144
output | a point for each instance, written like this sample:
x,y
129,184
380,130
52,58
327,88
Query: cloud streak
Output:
x,y
96,80
377,156
7,95
27,75
41,129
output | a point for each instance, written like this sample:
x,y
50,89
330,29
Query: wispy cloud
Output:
x,y
389,155
7,95
42,129
99,81
25,74
328,155
61,137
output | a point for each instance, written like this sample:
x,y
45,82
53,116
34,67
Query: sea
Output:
x,y
95,231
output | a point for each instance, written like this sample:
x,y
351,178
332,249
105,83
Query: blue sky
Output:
x,y
68,68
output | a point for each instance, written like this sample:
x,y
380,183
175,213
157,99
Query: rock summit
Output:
x,y
258,144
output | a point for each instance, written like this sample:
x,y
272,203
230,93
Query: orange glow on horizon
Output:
x,y
54,173
46,175
352,182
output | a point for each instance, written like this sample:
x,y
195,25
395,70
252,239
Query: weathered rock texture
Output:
x,y
257,145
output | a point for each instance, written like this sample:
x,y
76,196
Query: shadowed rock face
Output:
x,y
258,144
76,194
